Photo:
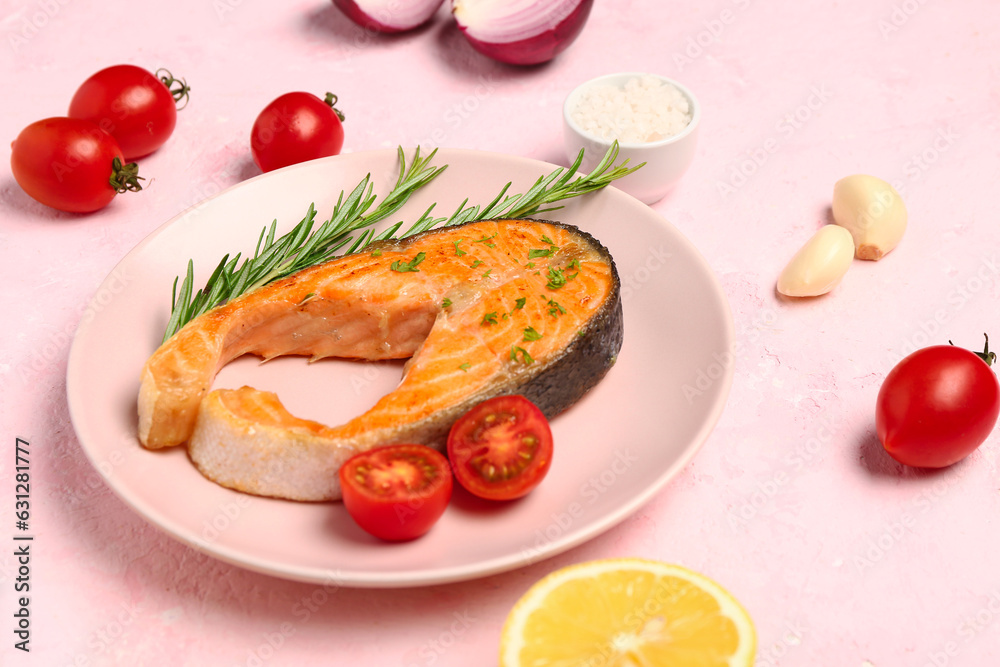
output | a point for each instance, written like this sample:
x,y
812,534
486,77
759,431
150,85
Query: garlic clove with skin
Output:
x,y
872,211
820,264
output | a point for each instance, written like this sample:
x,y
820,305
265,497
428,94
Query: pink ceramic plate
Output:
x,y
614,449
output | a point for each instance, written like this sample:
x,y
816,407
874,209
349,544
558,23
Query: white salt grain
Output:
x,y
646,109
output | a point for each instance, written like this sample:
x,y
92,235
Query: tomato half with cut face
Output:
x,y
502,448
396,492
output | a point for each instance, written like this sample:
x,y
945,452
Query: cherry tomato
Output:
x,y
71,165
938,405
131,104
502,448
396,492
294,128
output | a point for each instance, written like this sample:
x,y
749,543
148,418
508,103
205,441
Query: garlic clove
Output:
x,y
872,211
820,264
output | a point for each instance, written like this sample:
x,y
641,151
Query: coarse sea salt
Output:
x,y
645,109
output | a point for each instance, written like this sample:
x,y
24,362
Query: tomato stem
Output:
x,y
331,100
180,92
985,355
125,178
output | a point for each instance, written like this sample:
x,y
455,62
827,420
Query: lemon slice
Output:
x,y
627,612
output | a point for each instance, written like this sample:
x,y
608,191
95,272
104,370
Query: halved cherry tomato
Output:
x,y
502,448
396,492
938,405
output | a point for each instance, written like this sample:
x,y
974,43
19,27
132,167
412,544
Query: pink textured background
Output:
x,y
841,556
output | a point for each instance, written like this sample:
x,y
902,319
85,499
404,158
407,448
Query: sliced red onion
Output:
x,y
521,32
389,16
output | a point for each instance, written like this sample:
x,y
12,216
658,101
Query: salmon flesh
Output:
x,y
481,309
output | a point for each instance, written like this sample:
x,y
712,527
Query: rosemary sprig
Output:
x,y
557,186
302,247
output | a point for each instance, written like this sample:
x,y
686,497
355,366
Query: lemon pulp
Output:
x,y
627,613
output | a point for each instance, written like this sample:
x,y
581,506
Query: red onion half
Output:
x,y
389,16
521,32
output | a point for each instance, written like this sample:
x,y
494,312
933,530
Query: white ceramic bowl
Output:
x,y
666,160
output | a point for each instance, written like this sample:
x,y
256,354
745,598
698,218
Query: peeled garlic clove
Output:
x,y
820,264
872,211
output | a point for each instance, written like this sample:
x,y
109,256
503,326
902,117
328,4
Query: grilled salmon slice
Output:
x,y
484,309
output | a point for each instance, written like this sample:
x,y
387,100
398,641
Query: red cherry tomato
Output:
x,y
132,105
71,165
937,406
396,492
294,128
502,448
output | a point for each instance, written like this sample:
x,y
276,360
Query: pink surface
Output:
x,y
842,557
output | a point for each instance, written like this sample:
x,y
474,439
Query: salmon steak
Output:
x,y
480,310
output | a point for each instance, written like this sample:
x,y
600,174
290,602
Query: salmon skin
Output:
x,y
481,309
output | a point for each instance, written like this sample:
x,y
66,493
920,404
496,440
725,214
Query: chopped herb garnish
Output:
x,y
519,304
525,357
555,309
546,239
531,334
489,318
307,297
465,367
446,302
488,272
475,264
572,276
556,278
574,264
403,267
540,252
506,316
458,251
580,333
531,265
485,240
376,253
